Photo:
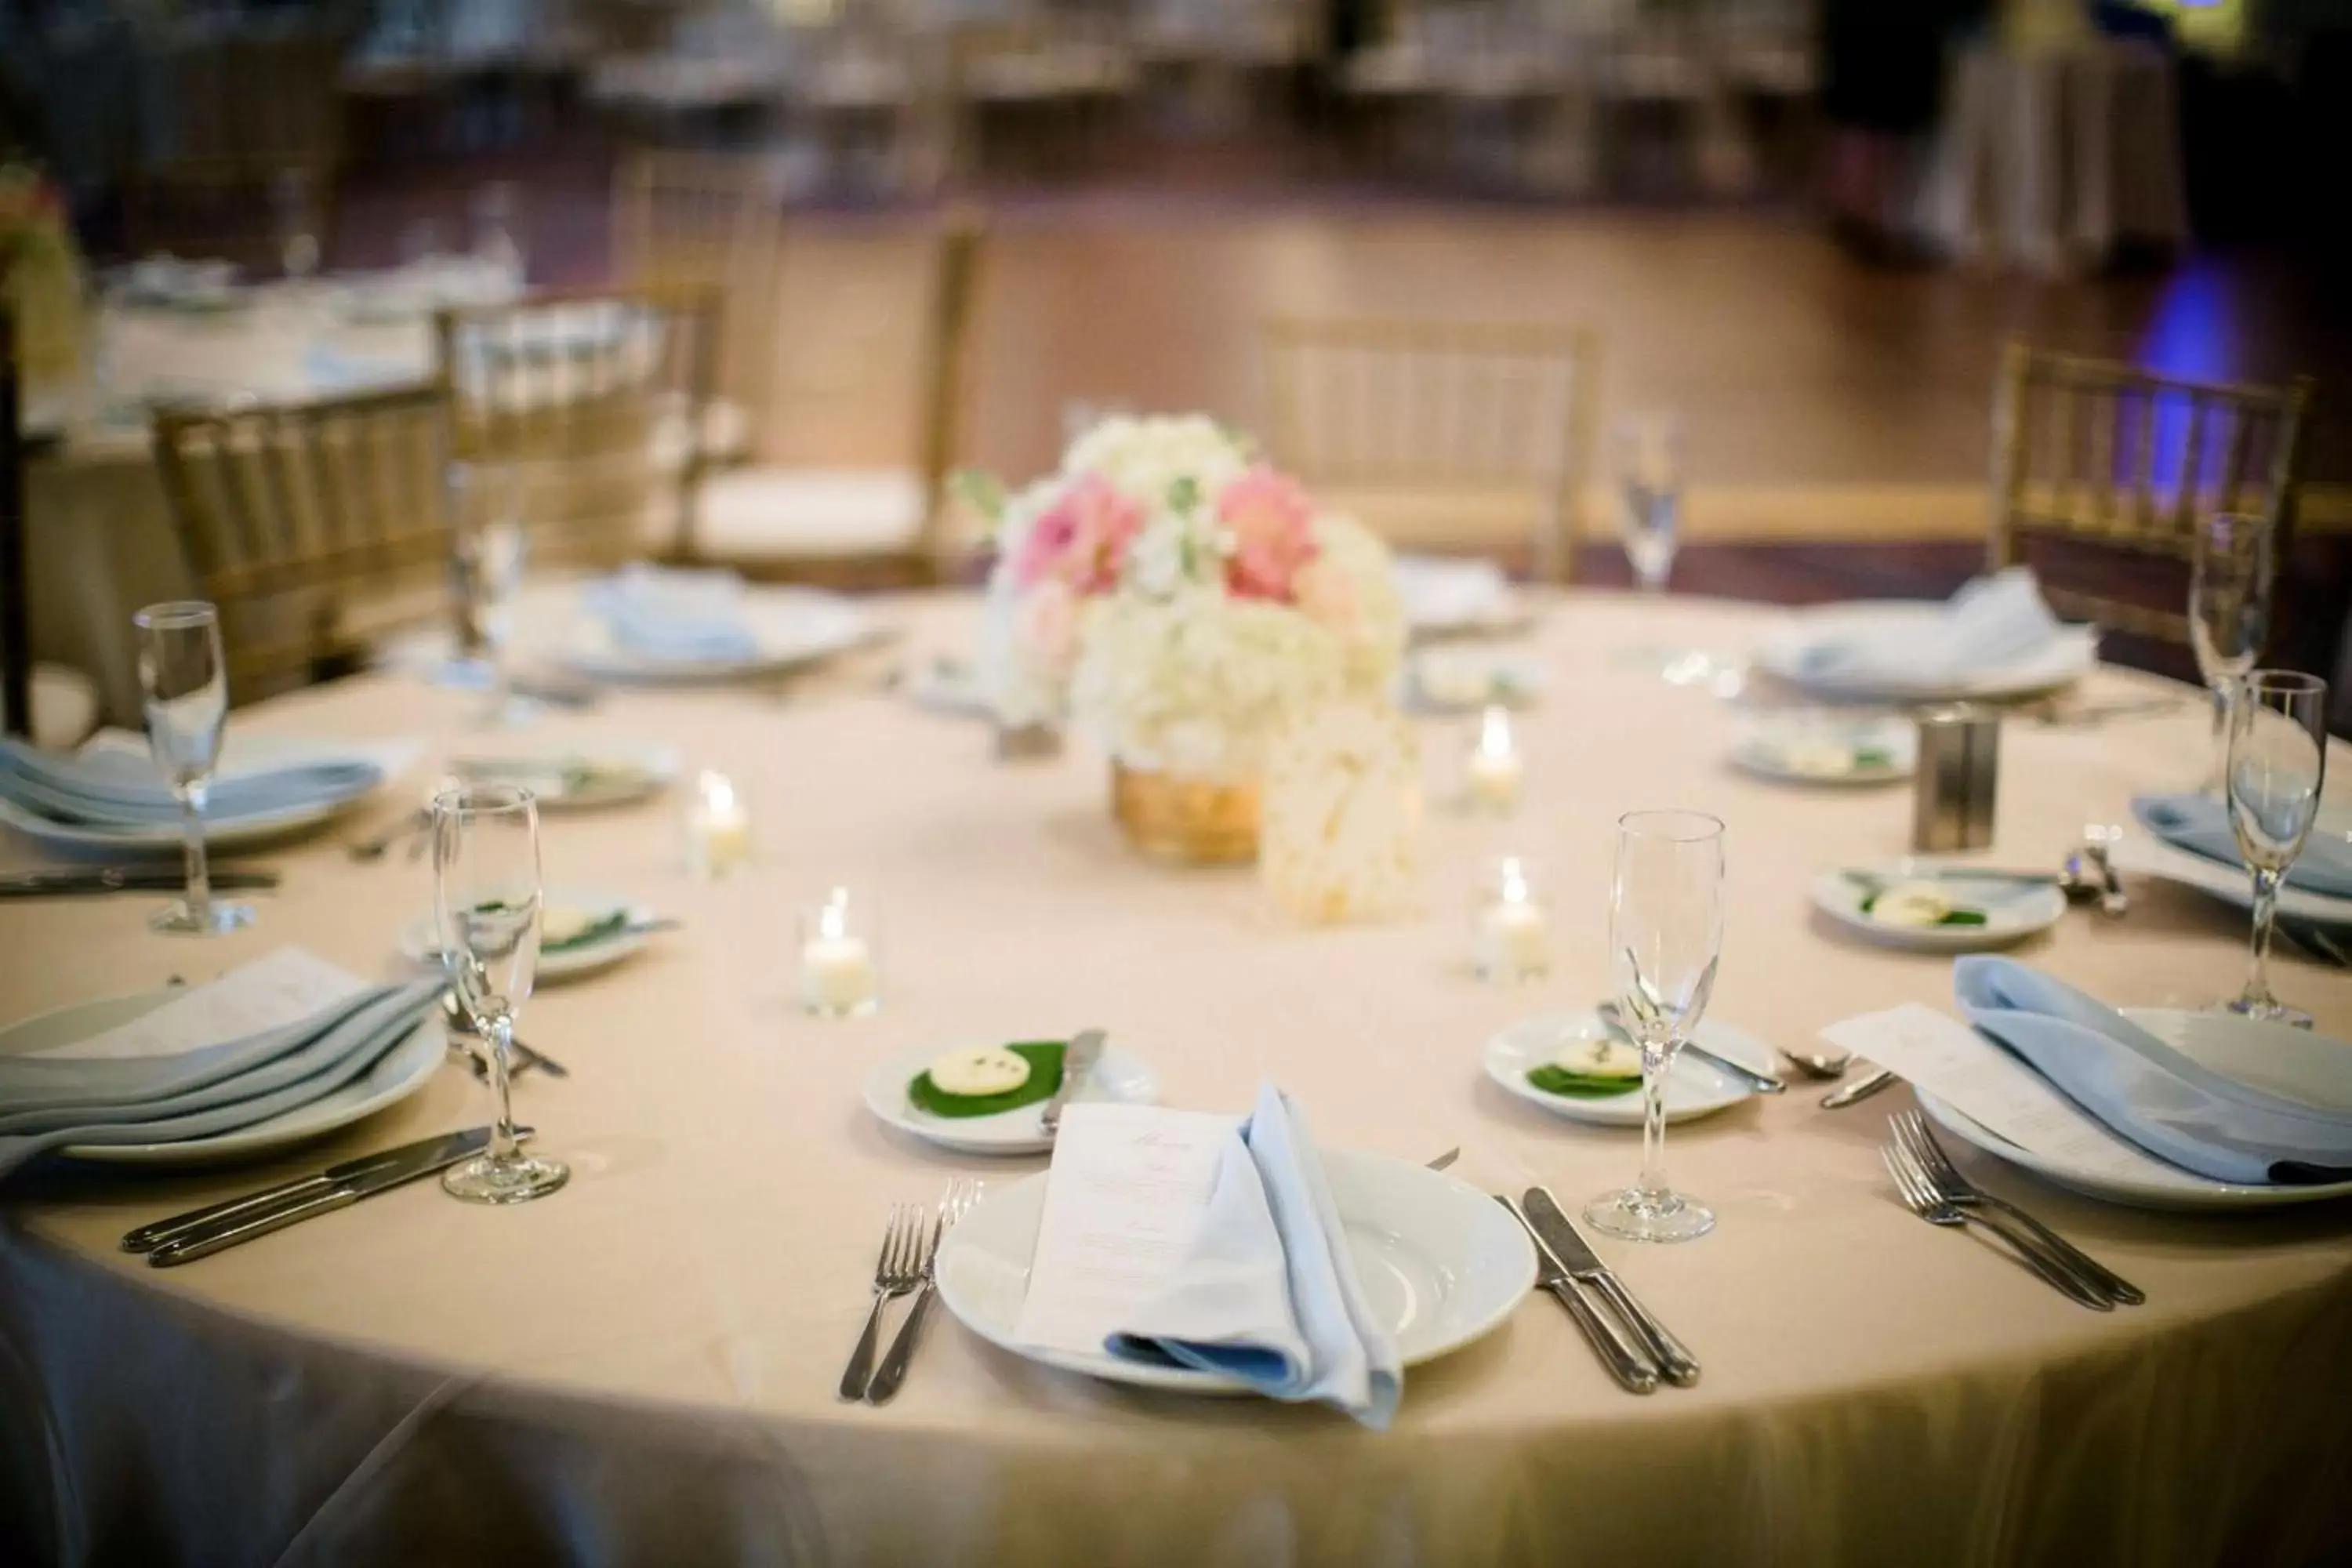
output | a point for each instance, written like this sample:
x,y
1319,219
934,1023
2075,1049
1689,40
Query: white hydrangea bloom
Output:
x,y
1147,459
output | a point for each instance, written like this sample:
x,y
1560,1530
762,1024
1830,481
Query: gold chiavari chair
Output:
x,y
1440,435
318,527
598,400
864,526
715,221
2102,471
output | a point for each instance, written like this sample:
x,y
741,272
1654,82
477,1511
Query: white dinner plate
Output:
x,y
2145,855
420,940
616,773
1463,677
398,1074
1820,748
789,627
1693,1088
1442,1265
2068,656
2290,1062
2014,910
1119,1078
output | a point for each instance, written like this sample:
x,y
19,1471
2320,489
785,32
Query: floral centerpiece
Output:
x,y
40,274
1178,599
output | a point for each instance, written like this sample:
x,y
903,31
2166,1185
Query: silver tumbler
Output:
x,y
1957,781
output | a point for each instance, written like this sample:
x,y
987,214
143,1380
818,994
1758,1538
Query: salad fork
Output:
x,y
1919,1196
954,1203
895,1274
1911,1130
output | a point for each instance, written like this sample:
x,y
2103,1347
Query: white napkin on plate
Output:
x,y
666,613
1440,593
1991,622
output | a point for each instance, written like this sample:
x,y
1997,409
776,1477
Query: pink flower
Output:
x,y
1047,626
1326,595
1273,525
1081,539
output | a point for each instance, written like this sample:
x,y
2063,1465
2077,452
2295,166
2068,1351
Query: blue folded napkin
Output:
x,y
2201,825
1269,1294
674,615
1991,622
47,1103
2145,1090
117,787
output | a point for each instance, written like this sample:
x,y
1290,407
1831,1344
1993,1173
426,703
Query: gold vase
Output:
x,y
1185,822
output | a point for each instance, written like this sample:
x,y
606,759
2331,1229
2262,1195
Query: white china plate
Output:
x,y
1442,1265
242,752
789,627
1119,1078
2295,1063
2012,911
420,941
1779,746
1461,678
624,772
2071,655
1694,1088
2141,853
396,1075
1445,597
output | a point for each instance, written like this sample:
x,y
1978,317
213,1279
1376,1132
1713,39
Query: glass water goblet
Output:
x,y
2277,764
2229,614
1665,937
492,550
184,685
487,904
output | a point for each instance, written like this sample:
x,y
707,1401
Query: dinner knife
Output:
x,y
60,881
1078,1061
1584,1266
379,1176
1625,1361
1757,1082
147,1237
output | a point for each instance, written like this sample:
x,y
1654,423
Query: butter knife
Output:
x,y
1584,1266
1079,1059
380,1175
66,881
1625,1361
147,1237
1756,1082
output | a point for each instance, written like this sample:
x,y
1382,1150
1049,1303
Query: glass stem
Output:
x,y
2258,975
500,1035
199,872
2218,782
1653,1186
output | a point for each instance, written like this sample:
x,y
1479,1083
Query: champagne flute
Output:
x,y
2277,764
491,549
487,904
183,682
1665,938
2229,614
1648,461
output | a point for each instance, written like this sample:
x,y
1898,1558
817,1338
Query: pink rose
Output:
x,y
1273,526
1081,539
1047,626
1326,595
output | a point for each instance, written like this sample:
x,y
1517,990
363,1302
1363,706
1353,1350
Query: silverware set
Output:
x,y
909,1255
1636,1348
85,880
1934,1188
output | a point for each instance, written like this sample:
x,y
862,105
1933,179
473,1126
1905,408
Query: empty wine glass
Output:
x,y
2229,612
491,550
297,225
1647,450
487,905
1665,937
2277,763
184,683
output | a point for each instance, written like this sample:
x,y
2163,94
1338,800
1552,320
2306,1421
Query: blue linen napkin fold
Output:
x,y
1269,1294
1991,622
667,613
2201,825
2144,1090
117,787
47,1103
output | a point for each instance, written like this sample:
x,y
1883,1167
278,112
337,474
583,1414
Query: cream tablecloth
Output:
x,y
640,1369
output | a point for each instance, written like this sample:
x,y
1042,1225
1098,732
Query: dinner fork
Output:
x,y
896,1272
1912,1132
954,1203
1911,1184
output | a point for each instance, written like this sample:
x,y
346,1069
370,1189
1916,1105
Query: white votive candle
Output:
x,y
1496,771
717,828
1511,934
839,977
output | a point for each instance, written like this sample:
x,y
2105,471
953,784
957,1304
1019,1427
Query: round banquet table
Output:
x,y
641,1368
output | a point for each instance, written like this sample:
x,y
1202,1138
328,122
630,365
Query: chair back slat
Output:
x,y
711,221
15,597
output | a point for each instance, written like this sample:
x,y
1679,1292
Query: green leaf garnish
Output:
x,y
1957,916
602,928
1553,1079
1044,1059
1872,757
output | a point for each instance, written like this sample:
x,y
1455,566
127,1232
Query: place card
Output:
x,y
1953,1062
1124,1203
284,988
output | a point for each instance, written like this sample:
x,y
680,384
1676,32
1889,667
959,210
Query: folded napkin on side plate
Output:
x,y
116,786
1438,592
2201,825
48,1101
1991,622
2145,1091
1269,1293
674,615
